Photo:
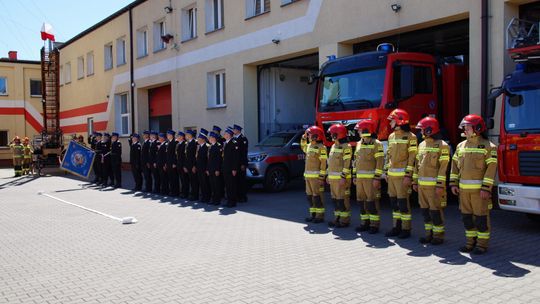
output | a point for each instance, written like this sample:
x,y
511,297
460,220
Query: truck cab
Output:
x,y
519,149
370,85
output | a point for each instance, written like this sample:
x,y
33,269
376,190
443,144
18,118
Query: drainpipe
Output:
x,y
131,78
484,52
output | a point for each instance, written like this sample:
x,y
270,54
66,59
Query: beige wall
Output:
x,y
17,101
339,24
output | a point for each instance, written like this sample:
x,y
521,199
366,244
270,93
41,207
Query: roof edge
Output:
x,y
102,22
7,60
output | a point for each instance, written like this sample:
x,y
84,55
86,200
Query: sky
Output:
x,y
21,21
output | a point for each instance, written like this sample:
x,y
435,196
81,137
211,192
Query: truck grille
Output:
x,y
529,163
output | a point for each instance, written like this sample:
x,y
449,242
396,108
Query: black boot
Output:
x,y
311,219
404,234
395,231
373,230
437,241
362,228
425,239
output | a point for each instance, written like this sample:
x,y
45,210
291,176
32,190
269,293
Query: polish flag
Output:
x,y
47,32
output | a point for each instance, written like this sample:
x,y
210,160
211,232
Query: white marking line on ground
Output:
x,y
124,220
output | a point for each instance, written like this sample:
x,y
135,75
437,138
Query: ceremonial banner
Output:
x,y
78,159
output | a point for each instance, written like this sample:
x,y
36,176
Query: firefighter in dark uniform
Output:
x,y
213,170
146,162
189,165
135,160
429,179
116,160
154,147
180,161
172,173
231,167
217,131
201,165
95,141
474,166
161,163
105,153
204,132
243,144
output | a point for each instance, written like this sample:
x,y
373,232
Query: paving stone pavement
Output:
x,y
261,252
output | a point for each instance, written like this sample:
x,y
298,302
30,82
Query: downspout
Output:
x,y
484,60
131,71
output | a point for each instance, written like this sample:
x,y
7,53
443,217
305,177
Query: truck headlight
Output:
x,y
506,191
257,158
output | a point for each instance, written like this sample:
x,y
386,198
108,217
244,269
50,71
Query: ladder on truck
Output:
x,y
523,40
50,75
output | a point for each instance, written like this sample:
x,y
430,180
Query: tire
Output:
x,y
534,217
276,179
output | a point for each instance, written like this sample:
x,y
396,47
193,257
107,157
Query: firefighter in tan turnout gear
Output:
x,y
429,179
399,167
315,172
18,155
473,172
367,169
339,175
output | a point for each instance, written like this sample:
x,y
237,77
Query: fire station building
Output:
x,y
20,101
181,64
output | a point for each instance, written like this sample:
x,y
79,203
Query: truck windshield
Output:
x,y
521,110
352,91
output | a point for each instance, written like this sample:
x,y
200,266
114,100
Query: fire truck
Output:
x,y
370,85
519,149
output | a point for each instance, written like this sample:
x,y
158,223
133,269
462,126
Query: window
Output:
x,y
214,15
90,125
410,80
257,7
285,2
108,50
142,42
189,23
67,76
3,86
80,67
120,51
35,88
122,114
159,30
4,138
62,75
216,89
90,64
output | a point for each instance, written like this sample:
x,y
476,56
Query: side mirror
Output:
x,y
494,93
312,78
295,145
391,105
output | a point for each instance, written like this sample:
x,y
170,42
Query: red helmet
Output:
x,y
315,130
338,129
16,138
401,117
366,126
476,121
429,125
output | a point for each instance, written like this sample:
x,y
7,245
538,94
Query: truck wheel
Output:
x,y
534,217
275,179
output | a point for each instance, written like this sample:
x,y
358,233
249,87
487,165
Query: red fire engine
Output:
x,y
519,149
372,84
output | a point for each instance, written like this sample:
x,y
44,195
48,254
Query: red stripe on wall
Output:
x,y
81,128
11,111
95,108
27,116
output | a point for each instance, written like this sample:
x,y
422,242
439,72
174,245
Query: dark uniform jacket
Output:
x,y
243,147
162,155
154,147
215,158
171,153
145,153
191,150
135,154
231,156
202,157
180,154
116,152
